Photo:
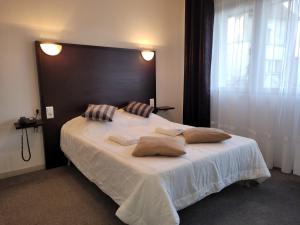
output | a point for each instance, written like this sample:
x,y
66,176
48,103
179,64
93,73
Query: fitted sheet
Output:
x,y
151,190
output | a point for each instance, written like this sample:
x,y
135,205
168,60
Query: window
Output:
x,y
260,46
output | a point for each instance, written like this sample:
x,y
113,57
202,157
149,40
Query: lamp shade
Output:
x,y
147,54
51,48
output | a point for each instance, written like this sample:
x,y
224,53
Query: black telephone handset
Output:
x,y
27,121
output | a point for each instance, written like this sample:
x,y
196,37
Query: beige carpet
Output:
x,y
63,196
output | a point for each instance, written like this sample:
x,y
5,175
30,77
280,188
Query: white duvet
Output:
x,y
150,190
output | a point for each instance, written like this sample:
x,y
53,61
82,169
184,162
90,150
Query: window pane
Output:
x,y
238,48
275,45
297,41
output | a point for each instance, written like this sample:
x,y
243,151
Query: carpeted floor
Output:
x,y
63,196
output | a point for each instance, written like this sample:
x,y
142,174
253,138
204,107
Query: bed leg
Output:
x,y
248,183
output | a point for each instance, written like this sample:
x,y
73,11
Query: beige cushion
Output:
x,y
204,135
151,146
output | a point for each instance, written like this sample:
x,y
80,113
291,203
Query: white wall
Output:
x,y
118,23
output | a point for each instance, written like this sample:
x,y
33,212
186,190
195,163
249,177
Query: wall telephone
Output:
x,y
27,121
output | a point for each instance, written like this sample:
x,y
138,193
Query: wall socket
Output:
x,y
49,112
152,102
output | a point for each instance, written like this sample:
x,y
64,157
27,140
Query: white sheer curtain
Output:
x,y
256,76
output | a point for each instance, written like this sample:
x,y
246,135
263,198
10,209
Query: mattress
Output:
x,y
150,190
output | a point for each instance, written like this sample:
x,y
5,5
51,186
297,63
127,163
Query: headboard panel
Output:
x,y
83,74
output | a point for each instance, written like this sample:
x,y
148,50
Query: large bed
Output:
x,y
150,190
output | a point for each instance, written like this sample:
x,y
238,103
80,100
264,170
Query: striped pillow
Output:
x,y
100,112
138,108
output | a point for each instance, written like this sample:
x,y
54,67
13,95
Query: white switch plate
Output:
x,y
151,102
49,112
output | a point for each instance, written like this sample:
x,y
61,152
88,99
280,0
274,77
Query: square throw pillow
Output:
x,y
164,146
100,112
204,135
139,109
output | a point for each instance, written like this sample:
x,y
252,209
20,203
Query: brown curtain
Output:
x,y
199,19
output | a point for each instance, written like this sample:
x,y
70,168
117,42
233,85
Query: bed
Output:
x,y
151,190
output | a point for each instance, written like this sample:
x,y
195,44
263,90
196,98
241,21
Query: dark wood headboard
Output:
x,y
83,74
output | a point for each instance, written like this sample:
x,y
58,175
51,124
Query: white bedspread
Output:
x,y
150,190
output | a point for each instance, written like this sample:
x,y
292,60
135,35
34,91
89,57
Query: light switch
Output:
x,y
49,112
152,102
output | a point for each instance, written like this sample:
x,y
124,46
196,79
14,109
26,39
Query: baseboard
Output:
x,y
21,171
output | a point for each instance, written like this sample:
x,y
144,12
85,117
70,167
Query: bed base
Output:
x,y
248,183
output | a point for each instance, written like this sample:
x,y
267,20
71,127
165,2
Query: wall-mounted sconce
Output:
x,y
147,54
51,48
